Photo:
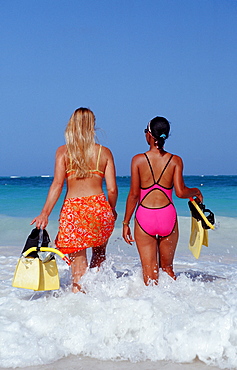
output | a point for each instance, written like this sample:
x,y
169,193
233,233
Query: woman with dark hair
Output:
x,y
87,217
153,176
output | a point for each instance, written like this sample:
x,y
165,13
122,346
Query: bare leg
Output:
x,y
167,247
148,250
98,255
78,266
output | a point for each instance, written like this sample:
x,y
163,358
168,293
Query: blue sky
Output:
x,y
128,61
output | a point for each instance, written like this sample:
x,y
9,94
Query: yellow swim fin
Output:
x,y
199,227
48,277
205,238
31,273
196,237
198,211
37,273
27,273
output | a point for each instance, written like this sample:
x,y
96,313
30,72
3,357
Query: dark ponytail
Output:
x,y
160,128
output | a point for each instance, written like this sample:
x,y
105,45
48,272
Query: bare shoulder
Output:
x,y
177,161
106,151
138,158
61,151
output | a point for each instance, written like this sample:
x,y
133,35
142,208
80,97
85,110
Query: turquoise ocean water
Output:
x,y
191,321
25,196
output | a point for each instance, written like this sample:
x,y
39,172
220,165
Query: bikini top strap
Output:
x,y
98,158
164,168
150,167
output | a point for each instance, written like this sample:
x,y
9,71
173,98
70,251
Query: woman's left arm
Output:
x,y
110,179
55,189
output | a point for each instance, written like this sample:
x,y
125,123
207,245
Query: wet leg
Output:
x,y
98,255
148,251
167,247
78,267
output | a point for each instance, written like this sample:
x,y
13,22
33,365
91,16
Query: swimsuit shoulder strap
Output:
x,y
98,158
150,167
164,168
96,171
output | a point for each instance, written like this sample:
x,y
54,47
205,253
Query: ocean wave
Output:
x,y
120,319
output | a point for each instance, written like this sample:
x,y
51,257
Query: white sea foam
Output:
x,y
121,319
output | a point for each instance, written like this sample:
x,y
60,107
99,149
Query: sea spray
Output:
x,y
120,319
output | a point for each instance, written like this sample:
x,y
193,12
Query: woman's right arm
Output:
x,y
110,179
55,189
181,190
132,199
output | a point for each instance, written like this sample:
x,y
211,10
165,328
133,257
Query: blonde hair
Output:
x,y
80,141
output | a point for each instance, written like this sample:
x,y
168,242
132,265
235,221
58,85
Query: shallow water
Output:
x,y
190,323
194,317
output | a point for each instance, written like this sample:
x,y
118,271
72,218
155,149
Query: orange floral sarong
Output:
x,y
84,222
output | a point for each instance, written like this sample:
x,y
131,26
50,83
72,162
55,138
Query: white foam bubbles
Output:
x,y
120,318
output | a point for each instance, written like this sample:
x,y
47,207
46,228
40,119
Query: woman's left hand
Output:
x,y
115,214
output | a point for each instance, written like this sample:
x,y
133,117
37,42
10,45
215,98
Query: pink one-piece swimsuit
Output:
x,y
156,221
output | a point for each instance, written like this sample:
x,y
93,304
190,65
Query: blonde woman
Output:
x,y
87,217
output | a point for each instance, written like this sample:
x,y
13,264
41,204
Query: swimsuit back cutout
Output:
x,y
159,220
156,185
71,171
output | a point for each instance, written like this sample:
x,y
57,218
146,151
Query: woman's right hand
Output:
x,y
40,221
127,235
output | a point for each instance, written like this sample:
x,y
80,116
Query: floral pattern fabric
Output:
x,y
84,222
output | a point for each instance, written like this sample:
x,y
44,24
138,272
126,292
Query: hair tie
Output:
x,y
157,144
163,136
